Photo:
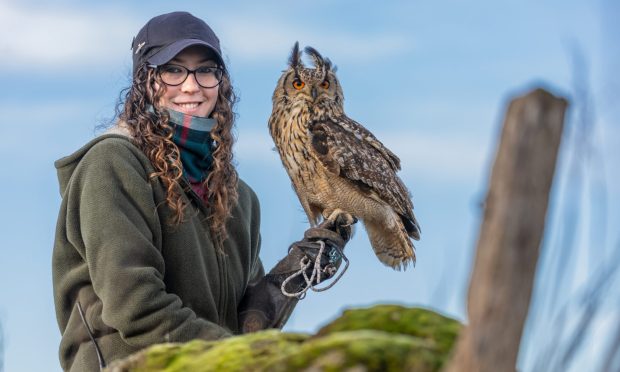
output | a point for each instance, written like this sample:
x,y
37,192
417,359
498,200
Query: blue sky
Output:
x,y
430,79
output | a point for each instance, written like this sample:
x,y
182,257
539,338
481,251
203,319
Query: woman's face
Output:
x,y
189,97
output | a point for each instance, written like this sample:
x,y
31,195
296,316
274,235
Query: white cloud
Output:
x,y
433,156
439,156
52,38
57,37
254,39
52,128
255,146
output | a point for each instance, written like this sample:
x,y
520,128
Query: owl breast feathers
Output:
x,y
337,165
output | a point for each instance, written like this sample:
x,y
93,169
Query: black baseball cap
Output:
x,y
164,36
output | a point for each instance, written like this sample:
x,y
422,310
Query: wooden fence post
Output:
x,y
511,234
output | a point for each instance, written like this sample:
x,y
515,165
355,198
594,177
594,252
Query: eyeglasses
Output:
x,y
206,76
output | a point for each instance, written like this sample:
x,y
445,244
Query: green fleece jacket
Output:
x,y
139,280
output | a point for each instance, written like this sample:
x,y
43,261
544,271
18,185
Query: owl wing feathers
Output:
x,y
349,150
364,134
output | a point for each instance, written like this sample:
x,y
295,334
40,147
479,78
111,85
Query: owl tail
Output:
x,y
391,243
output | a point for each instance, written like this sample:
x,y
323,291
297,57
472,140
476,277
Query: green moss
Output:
x,y
245,353
241,353
416,322
167,358
370,349
380,338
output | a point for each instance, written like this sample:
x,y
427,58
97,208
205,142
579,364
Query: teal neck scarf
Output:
x,y
193,138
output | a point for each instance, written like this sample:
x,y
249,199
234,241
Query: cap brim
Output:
x,y
167,53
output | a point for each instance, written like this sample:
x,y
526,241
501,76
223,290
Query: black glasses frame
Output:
x,y
191,72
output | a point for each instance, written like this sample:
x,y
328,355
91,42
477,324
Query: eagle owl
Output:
x,y
335,164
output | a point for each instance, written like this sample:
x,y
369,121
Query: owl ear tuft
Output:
x,y
328,65
317,58
321,63
295,59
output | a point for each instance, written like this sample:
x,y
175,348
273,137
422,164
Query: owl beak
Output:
x,y
314,93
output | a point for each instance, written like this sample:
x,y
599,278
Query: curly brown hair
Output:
x,y
152,134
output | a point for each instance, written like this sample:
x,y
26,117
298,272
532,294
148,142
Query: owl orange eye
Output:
x,y
298,84
325,84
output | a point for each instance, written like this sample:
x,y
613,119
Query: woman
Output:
x,y
157,238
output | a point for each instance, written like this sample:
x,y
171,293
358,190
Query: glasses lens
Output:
x,y
173,74
208,77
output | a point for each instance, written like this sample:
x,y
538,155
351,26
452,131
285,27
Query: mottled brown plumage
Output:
x,y
337,165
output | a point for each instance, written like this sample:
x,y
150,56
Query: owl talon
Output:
x,y
345,220
340,222
341,218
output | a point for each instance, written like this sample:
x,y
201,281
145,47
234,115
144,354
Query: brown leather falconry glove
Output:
x,y
265,305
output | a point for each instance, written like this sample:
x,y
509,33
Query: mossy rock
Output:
x,y
416,322
362,350
249,352
380,338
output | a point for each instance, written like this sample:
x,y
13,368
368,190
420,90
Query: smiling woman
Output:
x,y
192,78
157,238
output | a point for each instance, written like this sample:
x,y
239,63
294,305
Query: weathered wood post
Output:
x,y
511,234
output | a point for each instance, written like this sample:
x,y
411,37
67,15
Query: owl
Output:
x,y
335,164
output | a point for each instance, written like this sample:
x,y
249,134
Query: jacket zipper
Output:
x,y
220,257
